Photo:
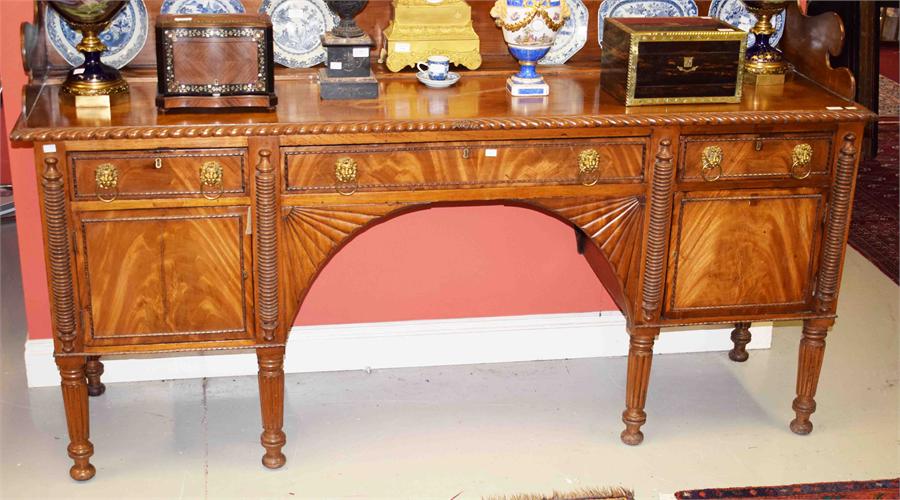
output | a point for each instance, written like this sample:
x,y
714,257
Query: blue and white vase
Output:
x,y
529,28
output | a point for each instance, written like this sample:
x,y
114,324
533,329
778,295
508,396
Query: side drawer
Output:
x,y
429,166
748,156
159,173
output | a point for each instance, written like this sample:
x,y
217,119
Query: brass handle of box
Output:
x,y
588,165
801,158
212,180
345,173
106,177
711,160
687,70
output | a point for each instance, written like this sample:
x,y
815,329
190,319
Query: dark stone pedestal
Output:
x,y
348,71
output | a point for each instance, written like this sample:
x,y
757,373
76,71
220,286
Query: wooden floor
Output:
x,y
475,430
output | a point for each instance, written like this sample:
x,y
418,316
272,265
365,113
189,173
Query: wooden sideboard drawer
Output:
x,y
747,156
159,173
743,251
430,166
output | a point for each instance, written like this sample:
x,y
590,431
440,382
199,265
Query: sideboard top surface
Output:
x,y
478,102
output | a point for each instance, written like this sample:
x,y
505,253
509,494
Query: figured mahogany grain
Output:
x,y
465,164
725,245
158,276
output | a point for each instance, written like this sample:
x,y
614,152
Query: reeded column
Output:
x,y
640,357
271,399
809,366
741,337
75,398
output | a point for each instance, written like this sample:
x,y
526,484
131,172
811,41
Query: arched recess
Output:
x,y
313,235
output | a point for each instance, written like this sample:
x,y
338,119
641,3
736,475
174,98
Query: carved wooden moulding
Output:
x,y
215,61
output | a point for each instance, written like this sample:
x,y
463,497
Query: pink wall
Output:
x,y
439,263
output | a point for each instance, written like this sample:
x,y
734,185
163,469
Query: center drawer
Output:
x,y
159,173
349,168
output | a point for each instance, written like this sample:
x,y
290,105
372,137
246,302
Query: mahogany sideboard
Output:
x,y
180,232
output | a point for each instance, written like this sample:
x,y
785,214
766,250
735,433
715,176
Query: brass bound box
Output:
x,y
671,60
214,61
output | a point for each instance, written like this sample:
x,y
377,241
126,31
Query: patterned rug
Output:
x,y
875,224
880,489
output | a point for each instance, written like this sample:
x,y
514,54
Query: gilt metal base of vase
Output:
x,y
765,64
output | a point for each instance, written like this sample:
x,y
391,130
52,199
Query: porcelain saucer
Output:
x,y
452,77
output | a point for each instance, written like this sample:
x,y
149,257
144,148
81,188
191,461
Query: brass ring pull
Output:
x,y
588,164
712,163
801,158
106,178
345,172
211,177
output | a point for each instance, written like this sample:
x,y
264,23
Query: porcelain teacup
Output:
x,y
437,67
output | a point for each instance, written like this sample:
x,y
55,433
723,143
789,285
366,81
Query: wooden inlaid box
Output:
x,y
672,60
215,61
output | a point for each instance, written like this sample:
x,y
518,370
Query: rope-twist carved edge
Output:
x,y
482,124
58,251
660,212
267,246
836,228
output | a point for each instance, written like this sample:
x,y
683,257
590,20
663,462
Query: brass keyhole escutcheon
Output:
x,y
588,167
345,173
212,180
106,178
711,159
157,163
801,158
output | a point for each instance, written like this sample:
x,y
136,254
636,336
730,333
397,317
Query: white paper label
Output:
x,y
401,48
49,148
849,107
834,108
336,65
182,19
490,153
360,52
78,71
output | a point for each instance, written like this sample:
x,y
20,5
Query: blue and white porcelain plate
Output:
x,y
202,7
643,8
571,37
736,14
124,37
297,26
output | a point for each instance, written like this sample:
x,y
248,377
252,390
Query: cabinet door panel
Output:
x,y
166,276
739,252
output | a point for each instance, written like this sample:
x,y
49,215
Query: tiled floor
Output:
x,y
474,430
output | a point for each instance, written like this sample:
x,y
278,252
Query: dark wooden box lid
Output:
x,y
672,24
214,21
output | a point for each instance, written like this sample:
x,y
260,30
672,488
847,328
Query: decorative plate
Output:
x,y
571,37
297,26
202,7
124,37
643,8
736,14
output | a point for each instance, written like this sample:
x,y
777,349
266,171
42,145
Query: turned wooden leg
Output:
x,y
94,369
271,399
640,357
75,398
741,337
812,351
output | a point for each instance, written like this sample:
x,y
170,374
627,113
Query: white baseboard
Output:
x,y
410,343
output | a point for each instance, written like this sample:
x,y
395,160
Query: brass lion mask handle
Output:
x,y
588,166
712,163
346,171
106,178
212,180
801,158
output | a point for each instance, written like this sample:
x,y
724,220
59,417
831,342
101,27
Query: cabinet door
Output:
x,y
176,275
743,252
